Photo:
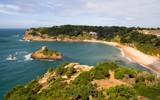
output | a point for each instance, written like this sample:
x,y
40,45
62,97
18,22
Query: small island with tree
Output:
x,y
47,54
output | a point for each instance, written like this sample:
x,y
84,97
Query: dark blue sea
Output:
x,y
23,69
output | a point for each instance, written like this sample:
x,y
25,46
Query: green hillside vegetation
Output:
x,y
145,84
50,52
149,44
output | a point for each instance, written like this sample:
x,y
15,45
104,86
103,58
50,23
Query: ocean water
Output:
x,y
23,69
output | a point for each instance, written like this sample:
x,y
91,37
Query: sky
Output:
x,y
47,13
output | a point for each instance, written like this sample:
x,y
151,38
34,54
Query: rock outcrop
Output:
x,y
47,54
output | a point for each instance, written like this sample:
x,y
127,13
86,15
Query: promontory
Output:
x,y
47,54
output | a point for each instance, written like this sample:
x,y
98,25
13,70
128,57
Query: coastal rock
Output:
x,y
47,54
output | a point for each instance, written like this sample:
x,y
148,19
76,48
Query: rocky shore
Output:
x,y
47,54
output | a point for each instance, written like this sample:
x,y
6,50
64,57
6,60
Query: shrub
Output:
x,y
121,92
109,65
150,78
122,71
147,91
34,85
51,69
60,70
139,79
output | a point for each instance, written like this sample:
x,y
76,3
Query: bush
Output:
x,y
150,78
99,72
109,65
147,91
122,92
34,85
139,79
51,69
122,71
60,70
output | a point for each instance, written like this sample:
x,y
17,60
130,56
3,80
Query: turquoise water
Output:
x,y
23,69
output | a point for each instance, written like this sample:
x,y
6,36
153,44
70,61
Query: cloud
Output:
x,y
8,12
9,6
106,12
9,9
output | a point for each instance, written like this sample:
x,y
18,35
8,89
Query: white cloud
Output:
x,y
91,5
9,6
9,9
107,12
8,12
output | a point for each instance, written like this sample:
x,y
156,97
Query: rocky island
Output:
x,y
47,54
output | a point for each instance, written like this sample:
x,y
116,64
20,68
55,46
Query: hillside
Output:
x,y
146,43
153,32
72,81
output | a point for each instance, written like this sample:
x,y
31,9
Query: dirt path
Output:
x,y
107,83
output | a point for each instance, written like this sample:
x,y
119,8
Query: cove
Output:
x,y
23,69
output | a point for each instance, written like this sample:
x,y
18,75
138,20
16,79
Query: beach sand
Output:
x,y
136,56
151,62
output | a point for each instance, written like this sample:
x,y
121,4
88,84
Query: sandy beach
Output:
x,y
136,56
151,62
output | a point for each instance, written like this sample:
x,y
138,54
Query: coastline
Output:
x,y
133,54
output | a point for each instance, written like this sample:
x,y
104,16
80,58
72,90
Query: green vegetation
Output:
x,y
122,93
50,52
51,69
122,71
81,87
24,92
33,33
146,43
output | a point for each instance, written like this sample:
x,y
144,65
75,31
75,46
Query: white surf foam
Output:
x,y
28,57
129,59
21,40
26,40
9,58
21,52
122,53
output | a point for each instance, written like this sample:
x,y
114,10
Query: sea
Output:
x,y
22,69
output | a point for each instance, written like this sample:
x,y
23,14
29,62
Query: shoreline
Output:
x,y
133,54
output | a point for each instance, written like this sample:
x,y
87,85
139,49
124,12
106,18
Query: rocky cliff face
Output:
x,y
47,54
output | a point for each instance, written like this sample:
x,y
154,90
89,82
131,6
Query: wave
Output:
x,y
9,58
128,59
21,52
122,53
21,40
28,57
25,40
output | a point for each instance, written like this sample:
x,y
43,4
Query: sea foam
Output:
x,y
9,58
123,55
28,57
21,52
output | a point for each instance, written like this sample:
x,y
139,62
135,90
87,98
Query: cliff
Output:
x,y
45,53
